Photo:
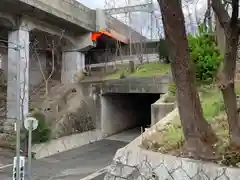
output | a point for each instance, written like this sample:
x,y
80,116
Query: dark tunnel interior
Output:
x,y
127,111
141,107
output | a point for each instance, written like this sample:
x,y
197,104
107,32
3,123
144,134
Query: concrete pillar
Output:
x,y
18,57
100,19
72,62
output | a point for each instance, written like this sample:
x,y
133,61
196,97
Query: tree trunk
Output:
x,y
198,133
227,85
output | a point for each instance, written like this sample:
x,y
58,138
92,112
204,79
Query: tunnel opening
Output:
x,y
123,112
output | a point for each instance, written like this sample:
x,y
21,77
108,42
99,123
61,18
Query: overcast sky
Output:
x,y
196,9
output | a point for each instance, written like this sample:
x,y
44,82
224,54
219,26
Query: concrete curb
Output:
x,y
66,143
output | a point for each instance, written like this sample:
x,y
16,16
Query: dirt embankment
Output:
x,y
65,108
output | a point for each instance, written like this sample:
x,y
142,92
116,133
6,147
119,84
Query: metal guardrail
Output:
x,y
126,59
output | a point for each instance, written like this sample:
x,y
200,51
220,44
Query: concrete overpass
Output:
x,y
31,28
69,15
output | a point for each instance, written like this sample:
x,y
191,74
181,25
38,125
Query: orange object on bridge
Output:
x,y
114,35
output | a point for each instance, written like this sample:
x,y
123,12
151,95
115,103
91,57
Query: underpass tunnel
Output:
x,y
121,112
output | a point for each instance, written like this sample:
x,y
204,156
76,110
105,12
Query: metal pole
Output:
x,y
18,119
130,29
151,16
30,151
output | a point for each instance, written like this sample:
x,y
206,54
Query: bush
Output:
x,y
205,55
43,131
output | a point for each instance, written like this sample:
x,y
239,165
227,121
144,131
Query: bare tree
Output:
x,y
227,85
118,53
53,49
199,135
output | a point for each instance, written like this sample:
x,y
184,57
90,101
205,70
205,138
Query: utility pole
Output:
x,y
130,29
18,123
128,10
151,20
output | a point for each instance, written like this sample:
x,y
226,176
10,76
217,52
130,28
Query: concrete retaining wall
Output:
x,y
160,109
141,164
65,143
133,162
154,85
116,115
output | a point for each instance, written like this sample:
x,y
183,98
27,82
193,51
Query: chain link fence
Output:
x,y
165,167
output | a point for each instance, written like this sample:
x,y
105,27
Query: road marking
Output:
x,y
99,172
6,166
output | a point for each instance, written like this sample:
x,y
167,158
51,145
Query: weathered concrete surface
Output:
x,y
61,12
157,84
160,109
125,111
156,127
139,164
74,164
120,28
133,162
70,14
18,61
124,104
154,85
65,143
72,62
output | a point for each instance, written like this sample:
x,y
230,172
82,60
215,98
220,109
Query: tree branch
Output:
x,y
222,14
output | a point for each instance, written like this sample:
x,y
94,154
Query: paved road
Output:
x,y
74,164
6,156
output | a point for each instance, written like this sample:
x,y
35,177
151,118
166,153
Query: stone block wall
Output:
x,y
139,164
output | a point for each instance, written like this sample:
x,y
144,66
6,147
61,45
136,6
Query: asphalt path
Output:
x,y
71,165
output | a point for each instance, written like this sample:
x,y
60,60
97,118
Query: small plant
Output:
x,y
122,75
43,131
172,88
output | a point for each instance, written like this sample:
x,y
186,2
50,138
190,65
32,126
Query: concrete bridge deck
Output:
x,y
64,13
68,15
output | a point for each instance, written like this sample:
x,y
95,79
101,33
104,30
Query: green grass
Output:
x,y
145,70
212,103
171,138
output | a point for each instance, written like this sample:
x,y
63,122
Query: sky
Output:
x,y
193,10
93,3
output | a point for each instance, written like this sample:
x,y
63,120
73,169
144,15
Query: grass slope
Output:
x,y
144,70
170,139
